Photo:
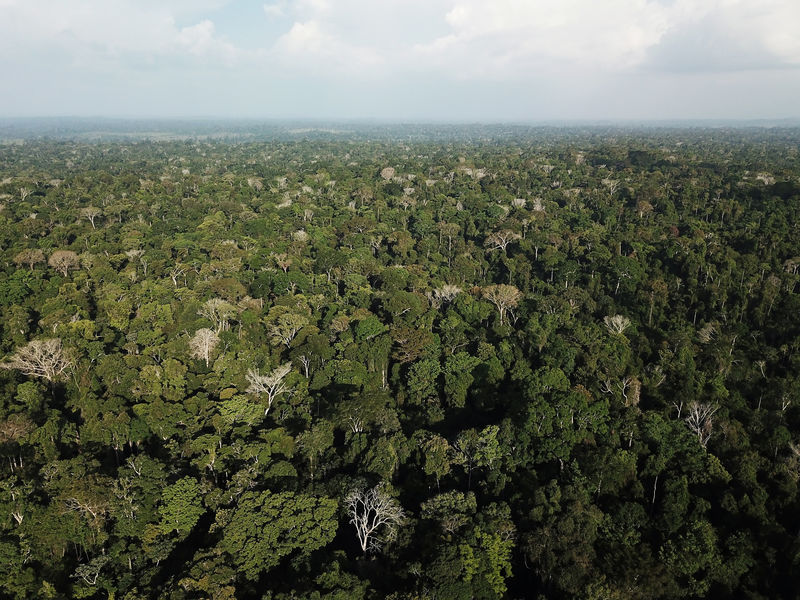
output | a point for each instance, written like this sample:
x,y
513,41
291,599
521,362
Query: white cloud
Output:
x,y
201,40
509,38
111,29
277,9
309,45
452,56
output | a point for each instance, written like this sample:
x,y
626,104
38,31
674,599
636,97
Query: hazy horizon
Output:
x,y
447,61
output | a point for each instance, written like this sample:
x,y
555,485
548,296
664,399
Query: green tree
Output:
x,y
264,527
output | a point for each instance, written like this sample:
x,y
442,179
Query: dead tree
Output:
x,y
202,344
271,386
504,297
617,324
375,516
64,261
699,420
40,358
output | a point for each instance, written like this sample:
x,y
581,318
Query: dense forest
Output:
x,y
513,363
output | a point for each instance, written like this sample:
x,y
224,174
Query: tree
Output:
x,y
64,261
314,442
504,297
286,327
219,312
458,377
272,385
437,452
499,240
264,527
443,295
375,515
617,324
203,343
40,358
30,257
181,506
90,213
411,343
699,420
472,449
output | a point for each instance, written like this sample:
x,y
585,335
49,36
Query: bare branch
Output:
x,y
373,510
271,385
40,358
699,420
203,344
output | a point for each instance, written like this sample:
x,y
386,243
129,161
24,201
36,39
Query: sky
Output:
x,y
419,60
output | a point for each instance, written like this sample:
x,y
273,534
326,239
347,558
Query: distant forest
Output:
x,y
357,361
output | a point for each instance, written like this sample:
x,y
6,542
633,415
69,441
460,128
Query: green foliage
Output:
x,y
603,407
265,527
181,506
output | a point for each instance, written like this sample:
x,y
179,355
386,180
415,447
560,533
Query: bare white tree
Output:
x,y
203,343
271,386
503,296
617,324
40,358
612,185
499,240
699,420
90,213
375,516
176,273
442,295
219,312
305,360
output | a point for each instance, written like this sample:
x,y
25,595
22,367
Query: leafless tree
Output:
x,y
40,358
375,515
64,261
219,312
176,273
90,213
16,428
24,193
283,260
793,462
375,243
699,420
203,344
90,572
499,240
306,362
448,230
256,183
617,324
442,295
271,386
612,185
503,296
30,257
631,389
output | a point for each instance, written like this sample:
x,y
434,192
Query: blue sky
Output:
x,y
456,60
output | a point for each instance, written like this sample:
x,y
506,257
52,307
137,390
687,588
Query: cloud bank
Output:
x,y
458,59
